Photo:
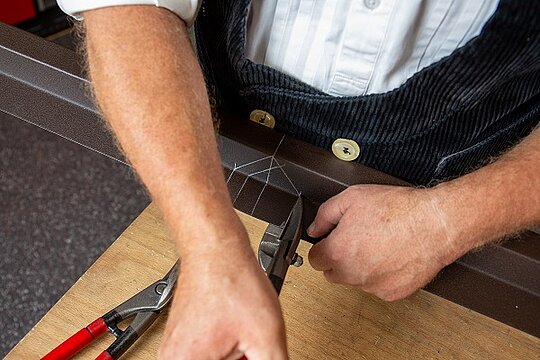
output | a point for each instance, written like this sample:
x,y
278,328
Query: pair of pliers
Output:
x,y
277,249
143,307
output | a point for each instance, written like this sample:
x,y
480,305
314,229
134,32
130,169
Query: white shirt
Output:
x,y
345,47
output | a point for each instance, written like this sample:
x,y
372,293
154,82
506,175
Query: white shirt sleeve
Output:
x,y
185,9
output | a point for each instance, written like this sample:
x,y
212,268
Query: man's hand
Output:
x,y
387,240
150,89
390,241
224,308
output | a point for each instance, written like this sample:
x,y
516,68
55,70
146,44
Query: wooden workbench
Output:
x,y
324,321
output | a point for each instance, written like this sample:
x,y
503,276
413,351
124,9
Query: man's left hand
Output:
x,y
386,240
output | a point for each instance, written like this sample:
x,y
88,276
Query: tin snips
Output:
x,y
277,250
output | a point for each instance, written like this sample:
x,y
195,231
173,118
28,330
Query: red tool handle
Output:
x,y
104,356
78,341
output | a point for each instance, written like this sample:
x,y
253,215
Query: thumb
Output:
x,y
328,216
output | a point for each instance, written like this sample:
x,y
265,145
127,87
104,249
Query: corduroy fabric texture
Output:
x,y
446,120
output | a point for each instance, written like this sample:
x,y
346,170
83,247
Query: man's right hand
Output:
x,y
224,307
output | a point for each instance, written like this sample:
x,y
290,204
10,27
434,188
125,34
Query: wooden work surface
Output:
x,y
324,321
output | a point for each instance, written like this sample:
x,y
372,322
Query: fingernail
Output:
x,y
310,229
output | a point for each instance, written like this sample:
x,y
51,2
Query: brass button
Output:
x,y
262,117
345,149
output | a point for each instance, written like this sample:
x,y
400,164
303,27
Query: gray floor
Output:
x,y
61,206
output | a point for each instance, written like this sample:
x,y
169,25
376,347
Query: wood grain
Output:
x,y
324,321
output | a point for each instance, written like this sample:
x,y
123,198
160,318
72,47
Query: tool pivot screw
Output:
x,y
297,260
160,288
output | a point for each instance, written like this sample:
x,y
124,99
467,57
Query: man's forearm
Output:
x,y
498,199
151,90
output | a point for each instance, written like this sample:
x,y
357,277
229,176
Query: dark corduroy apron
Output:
x,y
444,121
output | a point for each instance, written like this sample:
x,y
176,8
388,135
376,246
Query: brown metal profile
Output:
x,y
41,83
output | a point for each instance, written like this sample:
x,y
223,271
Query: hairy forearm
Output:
x,y
496,200
150,89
